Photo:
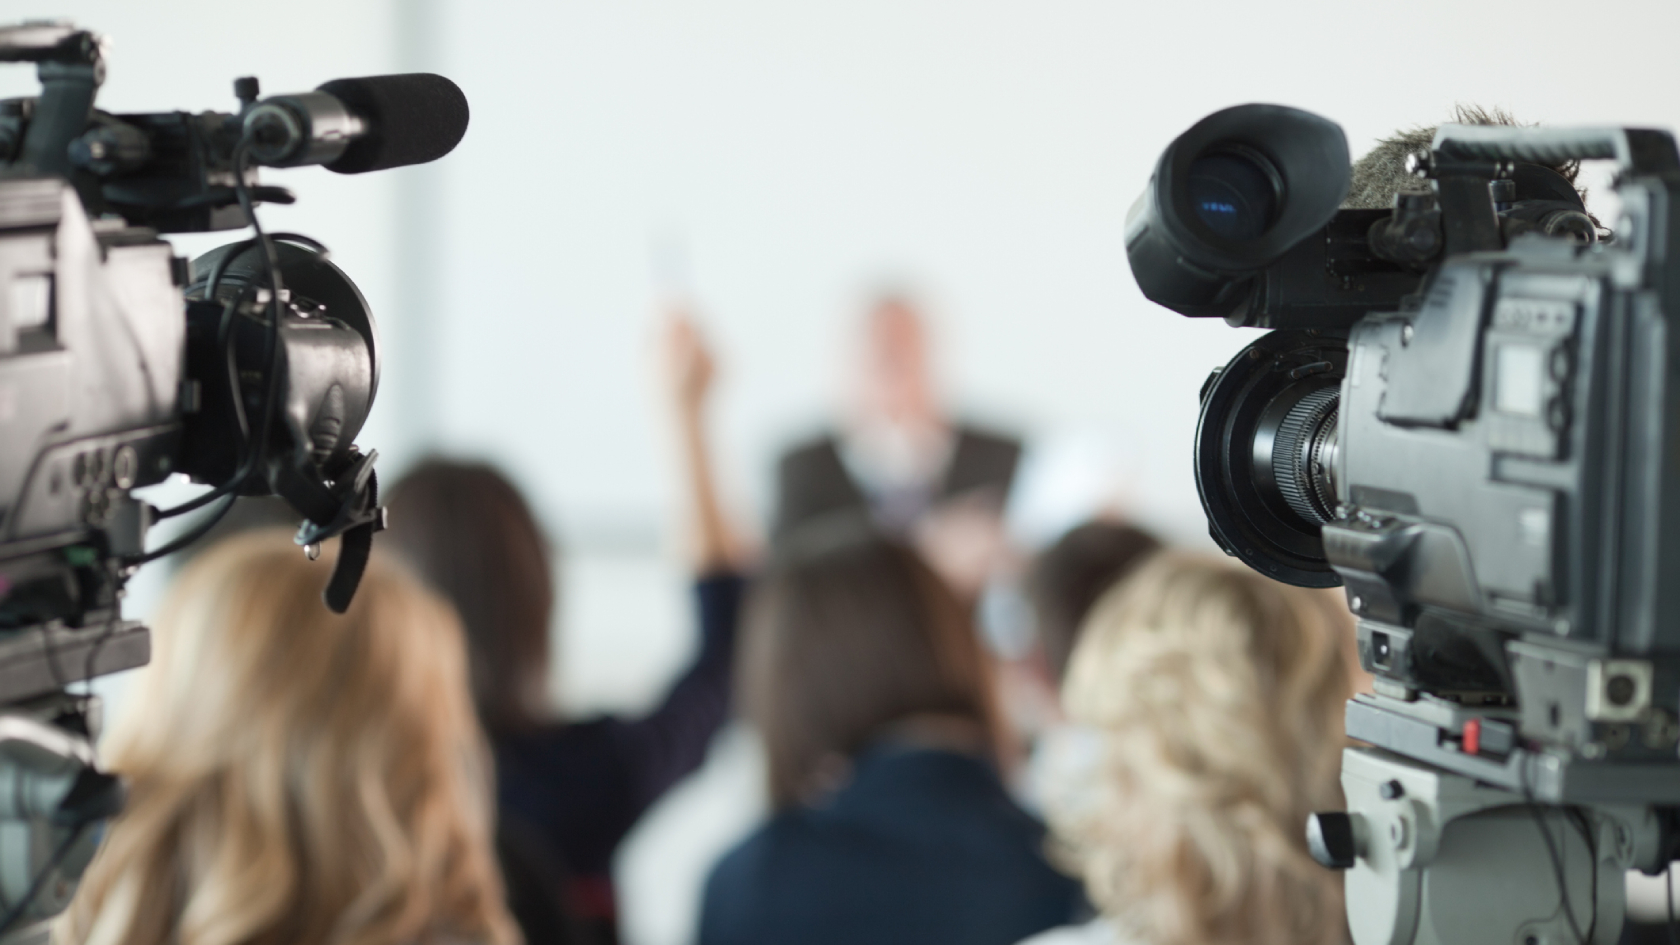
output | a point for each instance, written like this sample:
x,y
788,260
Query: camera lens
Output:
x,y
1295,450
1234,193
1266,454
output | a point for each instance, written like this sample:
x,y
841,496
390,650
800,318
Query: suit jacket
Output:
x,y
812,480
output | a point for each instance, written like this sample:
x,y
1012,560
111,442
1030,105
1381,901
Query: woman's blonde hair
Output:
x,y
297,776
1218,697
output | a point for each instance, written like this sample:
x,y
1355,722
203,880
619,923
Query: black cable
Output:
x,y
247,458
1668,892
105,635
1589,837
182,541
271,259
252,450
49,650
40,881
1557,859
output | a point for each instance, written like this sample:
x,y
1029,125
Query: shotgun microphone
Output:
x,y
353,126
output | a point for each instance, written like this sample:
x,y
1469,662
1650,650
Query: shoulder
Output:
x,y
821,449
745,882
796,847
1096,932
977,437
745,865
982,459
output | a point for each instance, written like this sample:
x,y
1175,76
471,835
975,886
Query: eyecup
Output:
x,y
1180,262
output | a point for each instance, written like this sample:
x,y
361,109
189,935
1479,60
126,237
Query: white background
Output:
x,y
781,161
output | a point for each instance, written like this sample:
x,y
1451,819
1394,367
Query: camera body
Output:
x,y
1468,414
251,370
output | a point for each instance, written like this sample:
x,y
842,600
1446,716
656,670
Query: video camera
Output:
x,y
1467,412
250,369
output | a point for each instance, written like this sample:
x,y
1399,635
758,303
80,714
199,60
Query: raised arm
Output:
x,y
714,546
660,748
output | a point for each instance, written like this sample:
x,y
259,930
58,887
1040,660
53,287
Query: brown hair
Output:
x,y
297,775
1218,695
1067,578
848,633
471,536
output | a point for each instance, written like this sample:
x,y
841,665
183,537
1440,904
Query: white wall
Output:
x,y
986,151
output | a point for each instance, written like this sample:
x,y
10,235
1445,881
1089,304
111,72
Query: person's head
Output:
x,y
471,536
847,634
1067,578
896,383
297,775
1218,697
1381,172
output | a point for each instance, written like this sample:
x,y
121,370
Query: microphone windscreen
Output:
x,y
409,119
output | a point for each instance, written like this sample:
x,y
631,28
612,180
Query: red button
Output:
x,y
1472,736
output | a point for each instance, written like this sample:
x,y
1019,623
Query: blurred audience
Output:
x,y
874,701
569,792
1062,584
921,475
1067,578
1217,697
296,775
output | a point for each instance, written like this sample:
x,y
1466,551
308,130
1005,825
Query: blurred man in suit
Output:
x,y
920,474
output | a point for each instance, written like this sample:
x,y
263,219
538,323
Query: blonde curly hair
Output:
x,y
297,775
1218,696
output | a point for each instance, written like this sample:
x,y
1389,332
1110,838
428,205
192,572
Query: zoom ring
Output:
x,y
1300,437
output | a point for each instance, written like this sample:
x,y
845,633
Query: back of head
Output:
x,y
1067,578
297,775
1218,696
467,531
848,633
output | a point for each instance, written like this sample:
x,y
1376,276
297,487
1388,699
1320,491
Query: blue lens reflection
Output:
x,y
1232,195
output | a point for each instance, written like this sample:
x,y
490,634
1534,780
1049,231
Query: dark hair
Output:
x,y
1067,578
848,633
469,533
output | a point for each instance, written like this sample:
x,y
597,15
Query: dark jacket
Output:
x,y
577,789
812,480
921,846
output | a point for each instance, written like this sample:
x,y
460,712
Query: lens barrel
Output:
x,y
1266,453
1229,197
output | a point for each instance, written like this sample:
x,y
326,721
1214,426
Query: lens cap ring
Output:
x,y
1243,517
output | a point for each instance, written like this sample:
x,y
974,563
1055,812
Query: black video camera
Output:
x,y
250,369
1468,414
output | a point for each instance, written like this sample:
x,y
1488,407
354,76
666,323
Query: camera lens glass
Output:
x,y
1233,194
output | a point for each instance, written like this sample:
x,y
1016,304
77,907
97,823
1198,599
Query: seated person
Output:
x,y
297,775
874,700
1067,578
1062,584
569,792
1218,697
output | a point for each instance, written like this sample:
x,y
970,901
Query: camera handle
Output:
x,y
71,70
1635,150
